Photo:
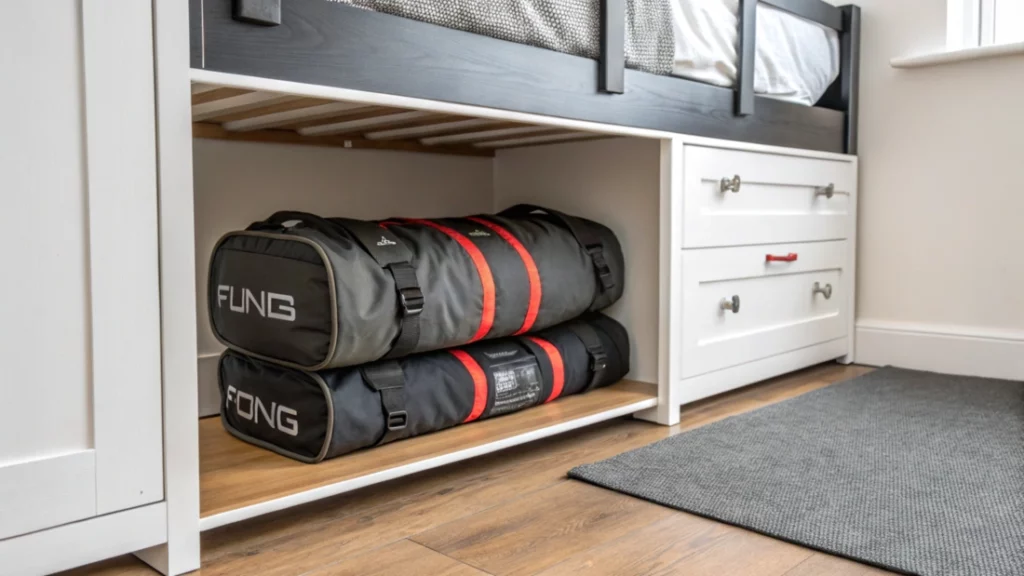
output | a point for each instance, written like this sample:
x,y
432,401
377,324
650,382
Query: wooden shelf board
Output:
x,y
240,481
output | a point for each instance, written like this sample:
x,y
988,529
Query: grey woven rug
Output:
x,y
915,472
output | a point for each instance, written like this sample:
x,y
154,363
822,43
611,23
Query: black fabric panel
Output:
x,y
439,393
616,262
280,406
567,279
616,343
269,246
508,271
271,297
453,296
614,340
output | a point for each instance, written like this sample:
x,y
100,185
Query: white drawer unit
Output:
x,y
753,302
734,197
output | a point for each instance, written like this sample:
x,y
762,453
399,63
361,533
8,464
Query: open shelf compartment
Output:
x,y
240,481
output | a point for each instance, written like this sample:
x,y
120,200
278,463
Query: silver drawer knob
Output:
x,y
826,291
732,304
730,184
826,191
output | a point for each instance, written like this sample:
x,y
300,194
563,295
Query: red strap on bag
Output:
x,y
531,271
479,383
557,367
483,270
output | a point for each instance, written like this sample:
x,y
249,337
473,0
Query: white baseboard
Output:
x,y
209,393
964,350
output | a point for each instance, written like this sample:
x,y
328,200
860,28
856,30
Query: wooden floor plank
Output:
x,y
333,529
746,553
346,532
662,547
402,557
527,535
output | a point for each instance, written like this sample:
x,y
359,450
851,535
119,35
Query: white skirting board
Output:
x,y
80,543
964,350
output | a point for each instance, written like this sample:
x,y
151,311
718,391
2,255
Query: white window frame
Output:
x,y
971,24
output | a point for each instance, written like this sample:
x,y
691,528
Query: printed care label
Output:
x,y
517,385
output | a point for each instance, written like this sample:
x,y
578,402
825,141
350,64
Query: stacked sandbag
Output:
x,y
312,416
346,334
316,293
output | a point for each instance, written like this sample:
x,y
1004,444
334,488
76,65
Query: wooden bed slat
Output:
x,y
350,126
284,105
198,88
481,135
432,126
285,117
216,94
363,111
553,138
225,106
216,132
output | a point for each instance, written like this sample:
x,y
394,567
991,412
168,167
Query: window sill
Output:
x,y
954,56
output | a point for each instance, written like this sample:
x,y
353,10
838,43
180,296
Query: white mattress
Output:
x,y
797,59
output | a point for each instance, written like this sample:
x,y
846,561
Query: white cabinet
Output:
x,y
80,395
739,197
741,306
762,263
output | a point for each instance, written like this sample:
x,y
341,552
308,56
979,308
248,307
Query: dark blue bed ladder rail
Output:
x,y
612,63
842,95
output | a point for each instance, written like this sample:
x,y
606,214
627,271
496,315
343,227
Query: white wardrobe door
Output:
x,y
80,432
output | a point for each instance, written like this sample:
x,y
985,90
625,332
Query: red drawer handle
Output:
x,y
791,257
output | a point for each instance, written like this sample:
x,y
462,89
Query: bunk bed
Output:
x,y
345,73
353,44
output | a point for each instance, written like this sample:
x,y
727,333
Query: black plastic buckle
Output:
x,y
411,300
397,420
598,361
603,271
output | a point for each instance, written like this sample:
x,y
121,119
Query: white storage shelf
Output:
x,y
397,156
416,159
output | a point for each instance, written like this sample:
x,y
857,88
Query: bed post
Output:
x,y
611,68
747,43
850,72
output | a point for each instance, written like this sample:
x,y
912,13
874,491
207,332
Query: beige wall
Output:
x,y
942,193
615,182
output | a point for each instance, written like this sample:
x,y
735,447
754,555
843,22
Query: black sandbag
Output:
x,y
316,293
312,416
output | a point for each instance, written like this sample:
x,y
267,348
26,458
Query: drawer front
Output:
x,y
776,198
778,307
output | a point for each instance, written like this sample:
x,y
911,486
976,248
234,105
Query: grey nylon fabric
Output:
x,y
915,471
359,282
367,314
569,26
